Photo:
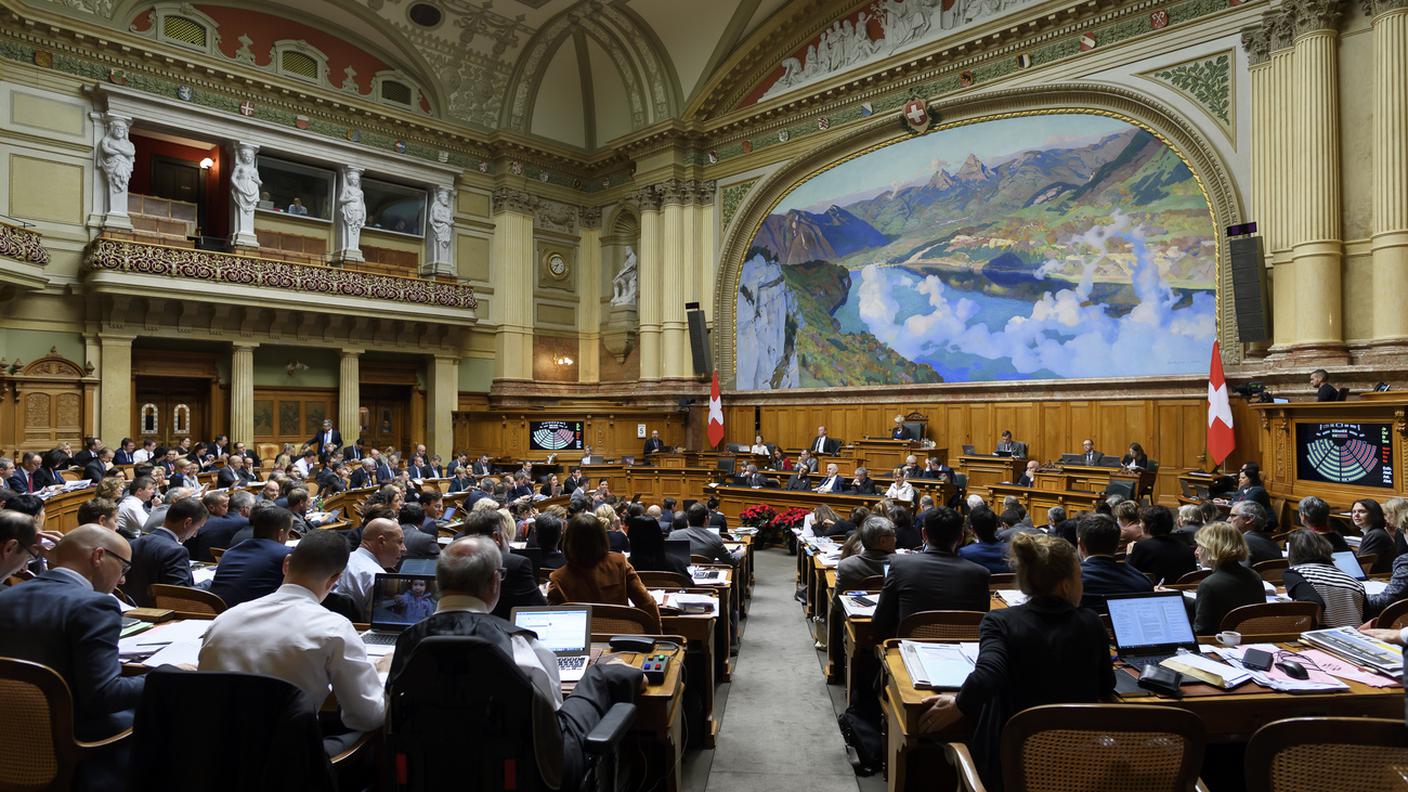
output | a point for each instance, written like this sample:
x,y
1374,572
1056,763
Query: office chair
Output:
x,y
1327,753
941,625
40,752
458,691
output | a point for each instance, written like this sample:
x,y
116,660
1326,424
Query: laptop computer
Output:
x,y
1347,563
449,514
417,566
969,450
398,601
564,629
1150,626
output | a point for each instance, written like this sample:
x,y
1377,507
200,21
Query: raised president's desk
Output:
x,y
984,471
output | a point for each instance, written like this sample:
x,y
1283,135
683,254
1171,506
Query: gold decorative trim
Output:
x,y
1210,173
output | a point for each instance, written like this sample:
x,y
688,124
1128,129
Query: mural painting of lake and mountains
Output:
x,y
1034,247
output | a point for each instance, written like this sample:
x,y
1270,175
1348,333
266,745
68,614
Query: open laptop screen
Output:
x,y
563,630
1348,564
400,600
1150,620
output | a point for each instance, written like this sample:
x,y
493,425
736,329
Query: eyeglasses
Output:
x,y
126,565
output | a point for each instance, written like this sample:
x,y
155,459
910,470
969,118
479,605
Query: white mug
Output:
x,y
1229,638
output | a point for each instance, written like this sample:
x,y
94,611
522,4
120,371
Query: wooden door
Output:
x,y
383,416
168,409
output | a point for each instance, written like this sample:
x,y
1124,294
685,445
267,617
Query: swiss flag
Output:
x,y
1221,439
716,413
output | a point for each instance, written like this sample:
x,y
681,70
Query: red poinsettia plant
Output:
x,y
790,519
760,516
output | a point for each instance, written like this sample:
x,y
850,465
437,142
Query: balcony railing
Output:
x,y
22,244
116,255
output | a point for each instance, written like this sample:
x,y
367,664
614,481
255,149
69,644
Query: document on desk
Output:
x,y
854,608
936,666
1275,678
202,574
1012,597
161,636
1373,588
177,653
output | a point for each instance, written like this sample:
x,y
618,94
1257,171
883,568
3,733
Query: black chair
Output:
x,y
1123,488
255,732
458,691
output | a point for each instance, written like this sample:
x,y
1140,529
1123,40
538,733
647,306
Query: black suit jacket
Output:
x,y
361,478
1327,392
1103,575
831,446
229,477
654,446
798,481
324,448
1378,542
573,483
156,558
82,458
479,469
929,580
72,629
94,471
901,432
1261,547
217,532
120,457
20,481
351,453
520,586
44,477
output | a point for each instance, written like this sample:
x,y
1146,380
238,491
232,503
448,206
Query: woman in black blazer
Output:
x,y
1368,516
1044,651
1136,458
1161,555
1231,585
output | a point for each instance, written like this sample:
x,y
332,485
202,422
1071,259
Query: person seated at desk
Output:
x,y
702,541
861,484
648,546
255,567
551,488
1136,459
1368,516
807,461
1028,477
574,481
1126,514
1047,650
160,556
520,584
934,468
759,447
832,483
752,478
1098,537
1232,584
900,432
522,487
421,541
461,480
234,474
1159,554
777,460
822,445
901,489
98,467
824,521
19,544
229,516
654,445
1250,518
469,584
1249,488
547,537
1324,391
1012,521
1088,454
1011,447
988,551
799,480
1315,516
288,634
68,620
1313,577
877,537
594,573
934,579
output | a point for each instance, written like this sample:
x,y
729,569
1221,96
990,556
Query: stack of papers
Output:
x,y
1206,669
1361,650
938,666
1012,597
173,642
1275,678
854,608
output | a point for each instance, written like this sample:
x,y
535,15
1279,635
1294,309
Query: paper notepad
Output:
x,y
1206,669
936,666
1012,597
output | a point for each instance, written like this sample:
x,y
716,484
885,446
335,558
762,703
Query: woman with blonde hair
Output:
x,y
1047,650
1221,548
615,532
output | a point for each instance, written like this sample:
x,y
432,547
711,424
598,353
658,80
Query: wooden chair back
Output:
x,y
186,599
1367,561
1394,617
1272,617
872,583
1272,571
39,751
941,625
654,579
611,620
1327,753
1195,577
999,580
216,552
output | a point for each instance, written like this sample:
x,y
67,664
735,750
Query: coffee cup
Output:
x,y
1229,638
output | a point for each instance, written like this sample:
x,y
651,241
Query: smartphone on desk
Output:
x,y
860,598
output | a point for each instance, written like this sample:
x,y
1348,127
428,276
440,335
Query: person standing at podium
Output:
x,y
654,445
901,432
823,445
1090,455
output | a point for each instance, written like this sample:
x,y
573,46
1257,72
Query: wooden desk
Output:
x,y
1280,441
882,454
701,654
61,510
733,500
1082,478
984,471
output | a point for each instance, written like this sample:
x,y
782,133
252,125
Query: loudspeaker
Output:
x,y
1249,290
699,340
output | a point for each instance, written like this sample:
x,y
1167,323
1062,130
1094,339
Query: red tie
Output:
x,y
29,481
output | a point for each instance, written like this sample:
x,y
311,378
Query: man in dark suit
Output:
x,y
822,444
1249,517
520,583
251,459
125,452
18,538
1090,456
654,445
23,479
934,579
48,474
799,481
96,469
934,468
229,514
219,447
703,541
877,536
574,481
1324,391
832,482
806,460
67,620
1028,477
901,432
355,452
255,567
1098,536
482,467
326,441
234,474
364,475
1007,445
384,474
160,557
89,452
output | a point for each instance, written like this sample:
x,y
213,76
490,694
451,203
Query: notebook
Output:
x,y
398,601
1150,627
566,630
1347,563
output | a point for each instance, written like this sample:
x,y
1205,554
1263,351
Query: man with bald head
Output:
x,y
67,620
382,546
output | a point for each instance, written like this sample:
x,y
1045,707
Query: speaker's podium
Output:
x,y
984,471
1340,451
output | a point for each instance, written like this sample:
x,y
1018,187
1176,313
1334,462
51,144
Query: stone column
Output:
x,y
115,370
242,392
442,392
245,186
651,274
1255,43
705,249
115,156
1318,250
512,279
1390,167
589,295
349,396
675,281
1279,196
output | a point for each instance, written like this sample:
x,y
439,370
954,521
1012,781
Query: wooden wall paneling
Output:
x,y
1054,431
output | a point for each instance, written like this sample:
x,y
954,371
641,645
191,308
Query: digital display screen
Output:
x,y
1359,454
555,435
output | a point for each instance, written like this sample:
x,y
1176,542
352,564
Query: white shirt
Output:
x,y
532,658
820,445
141,455
303,466
359,579
290,635
831,484
901,491
759,449
131,515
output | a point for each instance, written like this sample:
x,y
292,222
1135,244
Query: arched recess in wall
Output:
x,y
1182,137
620,238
